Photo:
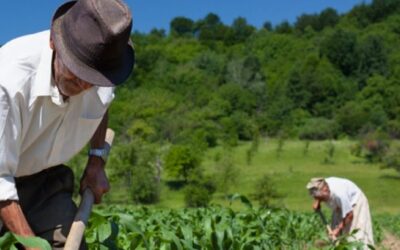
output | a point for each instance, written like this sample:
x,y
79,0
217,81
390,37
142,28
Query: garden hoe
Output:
x,y
328,227
81,218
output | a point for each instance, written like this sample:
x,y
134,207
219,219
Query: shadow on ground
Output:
x,y
389,176
175,185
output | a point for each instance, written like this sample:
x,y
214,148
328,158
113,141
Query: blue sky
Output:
x,y
19,17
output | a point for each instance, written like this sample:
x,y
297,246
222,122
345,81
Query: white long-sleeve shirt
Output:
x,y
344,194
38,129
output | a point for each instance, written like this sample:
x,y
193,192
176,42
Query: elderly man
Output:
x,y
55,89
349,205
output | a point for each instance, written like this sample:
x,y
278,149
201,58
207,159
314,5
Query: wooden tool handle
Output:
x,y
81,218
328,227
85,207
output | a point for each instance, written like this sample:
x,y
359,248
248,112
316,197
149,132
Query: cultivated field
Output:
x,y
235,225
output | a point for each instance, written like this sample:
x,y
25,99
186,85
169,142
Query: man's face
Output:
x,y
324,193
67,83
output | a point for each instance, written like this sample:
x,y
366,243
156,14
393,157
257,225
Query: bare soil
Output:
x,y
390,242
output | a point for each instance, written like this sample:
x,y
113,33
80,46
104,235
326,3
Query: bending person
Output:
x,y
350,209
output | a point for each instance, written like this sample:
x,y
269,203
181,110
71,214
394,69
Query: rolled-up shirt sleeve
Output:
x,y
8,150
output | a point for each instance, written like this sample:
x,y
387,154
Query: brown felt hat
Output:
x,y
92,38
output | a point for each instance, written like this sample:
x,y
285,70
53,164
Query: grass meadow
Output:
x,y
291,164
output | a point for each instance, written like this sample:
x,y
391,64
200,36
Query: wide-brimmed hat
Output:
x,y
92,38
315,183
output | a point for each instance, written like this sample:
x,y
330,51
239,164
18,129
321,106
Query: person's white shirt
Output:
x,y
38,129
344,194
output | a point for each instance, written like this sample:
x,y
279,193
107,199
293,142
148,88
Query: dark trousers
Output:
x,y
46,200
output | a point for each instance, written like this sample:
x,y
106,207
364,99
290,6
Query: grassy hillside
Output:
x,y
293,168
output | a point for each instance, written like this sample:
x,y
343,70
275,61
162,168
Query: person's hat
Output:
x,y
315,183
92,39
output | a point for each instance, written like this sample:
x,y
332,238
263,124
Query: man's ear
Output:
x,y
52,43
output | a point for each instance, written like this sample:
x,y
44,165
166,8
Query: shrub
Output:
x,y
266,193
392,159
279,146
196,196
306,147
144,187
318,129
227,173
352,117
199,189
181,160
373,146
393,129
199,193
329,153
250,153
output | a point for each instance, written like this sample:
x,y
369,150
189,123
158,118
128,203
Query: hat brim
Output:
x,y
315,183
106,78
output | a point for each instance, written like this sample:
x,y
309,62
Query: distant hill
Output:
x,y
325,76
207,84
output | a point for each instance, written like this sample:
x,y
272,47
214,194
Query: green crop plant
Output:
x,y
214,227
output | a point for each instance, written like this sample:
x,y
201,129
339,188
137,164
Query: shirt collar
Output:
x,y
56,96
43,84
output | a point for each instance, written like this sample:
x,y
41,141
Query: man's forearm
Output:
x,y
14,219
346,221
99,136
94,176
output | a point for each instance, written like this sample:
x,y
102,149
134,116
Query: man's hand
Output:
x,y
316,205
334,233
95,178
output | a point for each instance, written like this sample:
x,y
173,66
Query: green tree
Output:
x,y
182,26
284,28
373,146
200,189
360,15
319,128
227,172
159,33
392,159
380,9
211,62
329,153
373,56
198,195
145,186
253,149
239,32
307,20
352,117
210,28
181,160
329,17
340,47
239,98
267,26
316,86
266,192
